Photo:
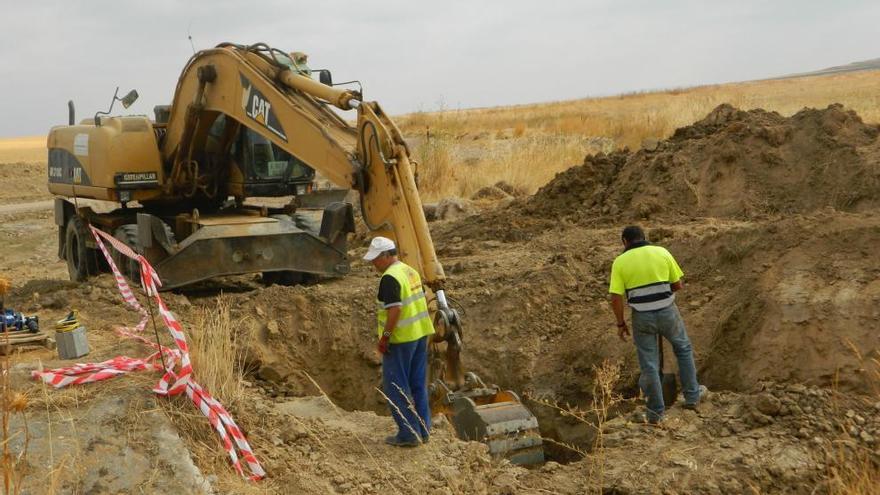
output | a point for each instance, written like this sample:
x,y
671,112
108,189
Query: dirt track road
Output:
x,y
25,207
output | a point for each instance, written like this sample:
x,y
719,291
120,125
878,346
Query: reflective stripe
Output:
x,y
649,289
653,305
409,300
413,298
415,319
650,297
412,319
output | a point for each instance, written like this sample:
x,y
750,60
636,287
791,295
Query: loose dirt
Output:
x,y
731,164
773,219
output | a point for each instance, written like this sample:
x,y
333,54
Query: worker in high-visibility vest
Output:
x,y
404,325
648,276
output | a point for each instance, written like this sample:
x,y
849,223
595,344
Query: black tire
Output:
x,y
33,326
289,278
128,234
80,259
129,267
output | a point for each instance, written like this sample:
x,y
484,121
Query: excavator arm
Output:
x,y
272,93
261,88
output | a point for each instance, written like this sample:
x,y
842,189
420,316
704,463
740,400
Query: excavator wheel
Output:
x,y
129,267
128,234
81,261
288,277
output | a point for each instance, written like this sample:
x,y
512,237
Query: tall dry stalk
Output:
x,y
856,472
604,399
12,403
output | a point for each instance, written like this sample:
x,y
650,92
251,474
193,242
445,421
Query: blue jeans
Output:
x,y
404,380
668,323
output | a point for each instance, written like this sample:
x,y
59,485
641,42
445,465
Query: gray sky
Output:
x,y
418,55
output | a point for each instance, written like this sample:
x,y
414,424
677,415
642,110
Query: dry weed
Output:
x,y
216,353
217,356
854,469
14,402
604,399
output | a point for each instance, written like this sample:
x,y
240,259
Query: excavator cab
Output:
x,y
262,168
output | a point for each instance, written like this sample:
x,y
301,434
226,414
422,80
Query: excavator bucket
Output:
x,y
510,430
497,418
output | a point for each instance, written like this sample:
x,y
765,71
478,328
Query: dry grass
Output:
x,y
215,339
13,402
854,469
23,149
526,145
450,167
217,357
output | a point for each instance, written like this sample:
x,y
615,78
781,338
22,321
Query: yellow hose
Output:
x,y
69,323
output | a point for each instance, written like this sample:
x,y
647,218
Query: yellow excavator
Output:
x,y
250,122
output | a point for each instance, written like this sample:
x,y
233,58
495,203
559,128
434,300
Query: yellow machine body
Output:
x,y
100,161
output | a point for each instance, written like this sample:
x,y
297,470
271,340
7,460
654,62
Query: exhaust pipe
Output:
x,y
71,113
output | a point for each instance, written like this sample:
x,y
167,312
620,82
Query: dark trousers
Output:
x,y
404,380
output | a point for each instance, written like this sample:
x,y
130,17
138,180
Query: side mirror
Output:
x,y
325,77
126,100
129,99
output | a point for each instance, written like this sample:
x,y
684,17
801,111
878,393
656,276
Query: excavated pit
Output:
x,y
312,340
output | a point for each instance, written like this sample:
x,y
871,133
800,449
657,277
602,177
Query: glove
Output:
x,y
383,345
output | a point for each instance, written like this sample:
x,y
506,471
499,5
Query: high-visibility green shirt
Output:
x,y
415,321
642,266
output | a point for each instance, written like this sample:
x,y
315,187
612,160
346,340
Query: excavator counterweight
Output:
x,y
248,122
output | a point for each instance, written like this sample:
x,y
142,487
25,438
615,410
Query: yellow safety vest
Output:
x,y
414,322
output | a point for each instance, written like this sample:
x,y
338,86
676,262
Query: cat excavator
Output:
x,y
250,123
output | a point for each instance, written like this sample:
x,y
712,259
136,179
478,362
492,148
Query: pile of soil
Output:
x,y
731,164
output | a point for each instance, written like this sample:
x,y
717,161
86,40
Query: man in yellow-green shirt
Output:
x,y
648,276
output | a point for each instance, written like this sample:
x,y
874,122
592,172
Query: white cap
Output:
x,y
378,246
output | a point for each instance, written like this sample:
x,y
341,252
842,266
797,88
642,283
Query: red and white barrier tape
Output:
x,y
172,382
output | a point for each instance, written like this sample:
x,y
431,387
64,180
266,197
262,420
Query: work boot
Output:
x,y
693,406
394,441
639,417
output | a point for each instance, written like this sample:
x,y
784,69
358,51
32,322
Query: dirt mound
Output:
x,y
731,164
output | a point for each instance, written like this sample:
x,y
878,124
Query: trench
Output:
x,y
351,384
343,368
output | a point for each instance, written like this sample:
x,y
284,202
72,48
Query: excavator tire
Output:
x,y
129,267
81,261
128,234
288,278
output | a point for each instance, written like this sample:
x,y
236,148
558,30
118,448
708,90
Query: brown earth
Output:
x,y
781,302
731,164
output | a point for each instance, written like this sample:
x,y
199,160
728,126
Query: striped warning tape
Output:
x,y
172,382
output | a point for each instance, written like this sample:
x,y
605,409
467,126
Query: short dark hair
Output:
x,y
390,252
633,233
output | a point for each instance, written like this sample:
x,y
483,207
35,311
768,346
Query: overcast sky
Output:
x,y
418,55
